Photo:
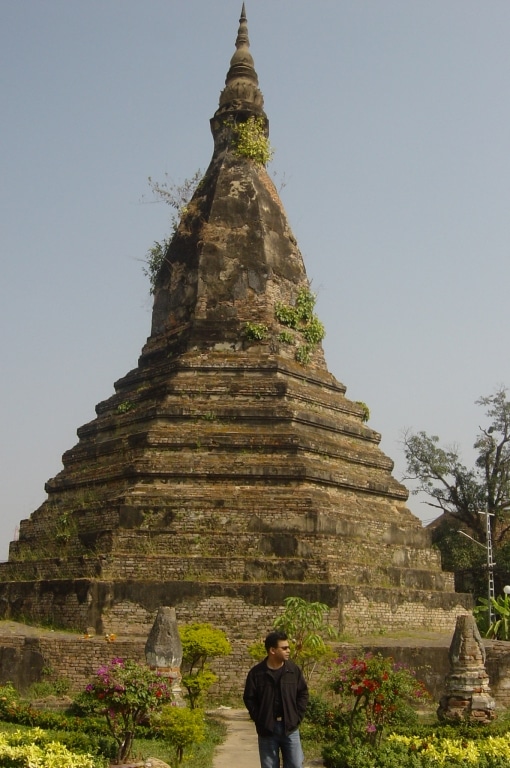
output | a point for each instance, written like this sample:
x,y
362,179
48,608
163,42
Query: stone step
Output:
x,y
133,566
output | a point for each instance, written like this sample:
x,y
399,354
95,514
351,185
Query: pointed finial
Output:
x,y
241,92
242,35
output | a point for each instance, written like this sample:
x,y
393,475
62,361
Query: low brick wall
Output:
x,y
498,669
30,655
25,659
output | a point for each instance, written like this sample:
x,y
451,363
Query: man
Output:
x,y
276,696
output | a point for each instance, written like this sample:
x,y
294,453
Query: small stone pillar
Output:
x,y
467,686
163,650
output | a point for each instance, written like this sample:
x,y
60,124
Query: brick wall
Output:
x,y
45,655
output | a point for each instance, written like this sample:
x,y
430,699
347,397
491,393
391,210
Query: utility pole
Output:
x,y
490,562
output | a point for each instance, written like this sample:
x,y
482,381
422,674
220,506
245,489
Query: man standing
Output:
x,y
276,696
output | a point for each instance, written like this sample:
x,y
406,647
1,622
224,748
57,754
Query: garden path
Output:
x,y
240,750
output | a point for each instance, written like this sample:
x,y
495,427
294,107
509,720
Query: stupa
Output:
x,y
229,470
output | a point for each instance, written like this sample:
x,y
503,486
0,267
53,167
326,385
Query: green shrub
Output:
x,y
81,742
301,317
499,629
489,752
197,684
44,688
344,754
366,410
320,711
182,727
200,642
430,746
304,354
307,624
154,259
250,140
285,337
256,331
32,748
321,721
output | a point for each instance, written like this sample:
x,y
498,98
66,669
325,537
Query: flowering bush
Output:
x,y
374,692
126,693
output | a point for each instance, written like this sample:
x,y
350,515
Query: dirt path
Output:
x,y
240,750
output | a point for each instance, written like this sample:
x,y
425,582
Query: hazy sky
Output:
x,y
391,124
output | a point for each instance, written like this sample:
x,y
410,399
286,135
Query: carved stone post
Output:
x,y
467,686
163,650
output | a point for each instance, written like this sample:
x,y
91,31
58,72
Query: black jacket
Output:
x,y
259,696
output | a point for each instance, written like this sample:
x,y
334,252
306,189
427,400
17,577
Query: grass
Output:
x,y
312,746
199,756
12,727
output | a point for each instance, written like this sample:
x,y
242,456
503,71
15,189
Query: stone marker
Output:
x,y
467,686
163,649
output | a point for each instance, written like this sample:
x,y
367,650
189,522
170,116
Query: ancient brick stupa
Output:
x,y
228,470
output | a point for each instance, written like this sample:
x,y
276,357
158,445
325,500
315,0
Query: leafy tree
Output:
x,y
306,625
200,643
500,627
464,494
182,727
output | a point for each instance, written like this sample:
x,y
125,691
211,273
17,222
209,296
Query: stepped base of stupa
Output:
x,y
244,610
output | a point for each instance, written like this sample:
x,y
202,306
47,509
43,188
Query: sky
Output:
x,y
390,121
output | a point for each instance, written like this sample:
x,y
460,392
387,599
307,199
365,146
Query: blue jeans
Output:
x,y
290,746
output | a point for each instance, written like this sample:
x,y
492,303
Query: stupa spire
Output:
x,y
241,63
241,93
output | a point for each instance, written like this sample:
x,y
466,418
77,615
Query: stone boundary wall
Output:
x,y
54,656
50,656
498,669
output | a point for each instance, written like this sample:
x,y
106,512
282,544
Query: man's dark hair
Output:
x,y
272,639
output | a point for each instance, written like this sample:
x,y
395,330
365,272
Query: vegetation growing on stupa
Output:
x,y
250,140
301,317
177,196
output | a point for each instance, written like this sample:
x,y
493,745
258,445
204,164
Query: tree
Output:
x,y
462,493
306,626
182,728
200,642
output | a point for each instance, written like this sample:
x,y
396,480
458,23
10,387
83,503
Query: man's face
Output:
x,y
282,651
